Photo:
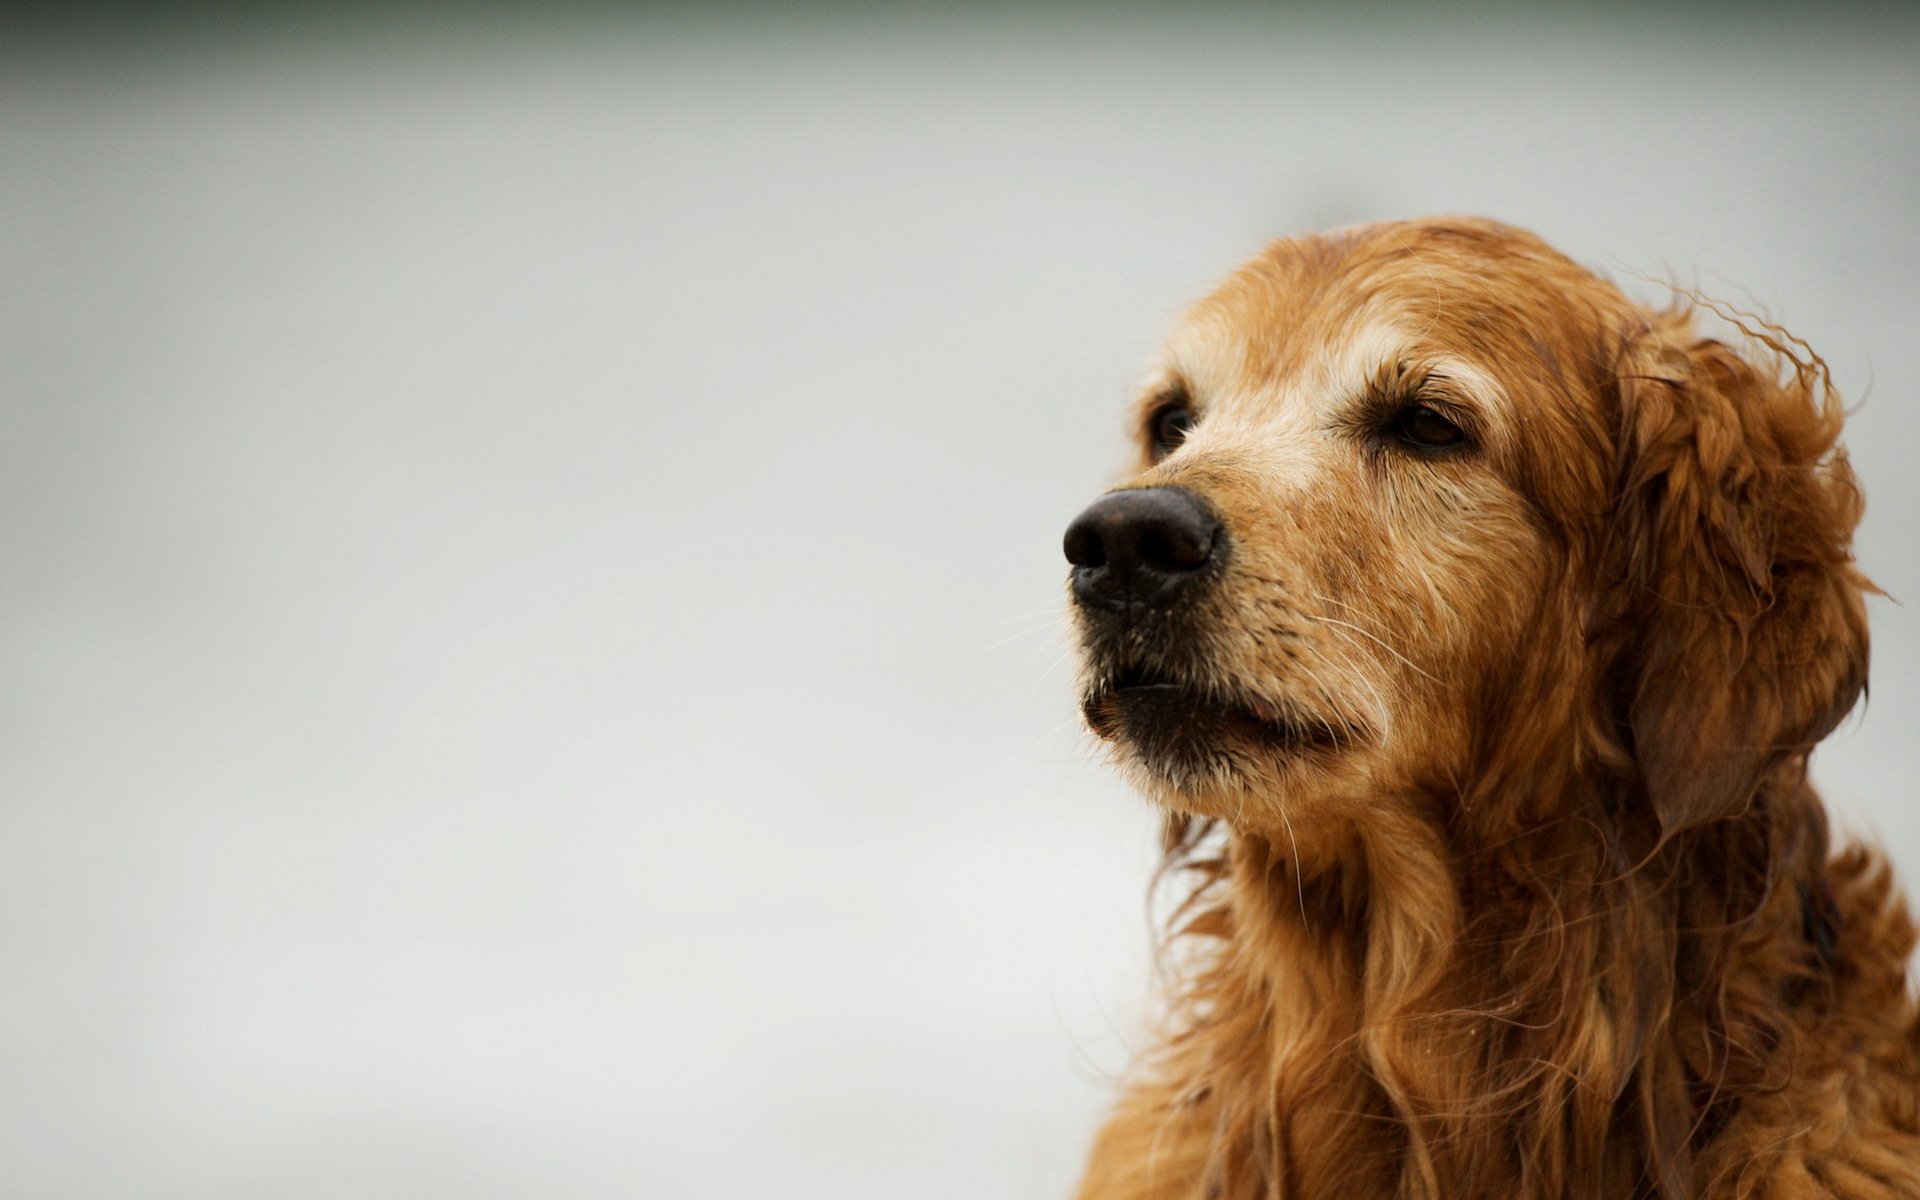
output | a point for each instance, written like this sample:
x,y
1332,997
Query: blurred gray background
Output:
x,y
531,659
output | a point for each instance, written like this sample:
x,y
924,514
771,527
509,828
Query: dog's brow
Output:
x,y
1384,354
1373,353
1205,355
1472,383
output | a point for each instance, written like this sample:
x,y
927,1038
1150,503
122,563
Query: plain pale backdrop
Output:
x,y
532,660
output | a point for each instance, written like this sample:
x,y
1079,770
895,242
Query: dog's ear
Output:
x,y
1747,635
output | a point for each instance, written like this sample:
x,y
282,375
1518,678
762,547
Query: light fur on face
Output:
x,y
1504,878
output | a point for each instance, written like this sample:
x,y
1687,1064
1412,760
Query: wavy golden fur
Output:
x,y
1486,759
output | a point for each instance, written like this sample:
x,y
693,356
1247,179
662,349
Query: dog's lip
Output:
x,y
1140,689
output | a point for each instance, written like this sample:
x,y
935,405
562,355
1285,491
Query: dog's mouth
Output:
x,y
1176,720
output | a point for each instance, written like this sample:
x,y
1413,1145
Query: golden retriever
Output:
x,y
1473,624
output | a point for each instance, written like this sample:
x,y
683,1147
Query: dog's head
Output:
x,y
1424,504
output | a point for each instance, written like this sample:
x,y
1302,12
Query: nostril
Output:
x,y
1084,545
1176,545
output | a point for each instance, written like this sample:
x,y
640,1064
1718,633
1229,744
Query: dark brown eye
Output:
x,y
1424,429
1169,427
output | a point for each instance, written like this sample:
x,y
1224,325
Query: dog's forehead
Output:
x,y
1226,360
1309,325
1259,324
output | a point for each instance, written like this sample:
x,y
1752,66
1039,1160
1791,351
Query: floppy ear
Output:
x,y
1736,509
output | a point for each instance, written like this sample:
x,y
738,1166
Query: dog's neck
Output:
x,y
1545,1016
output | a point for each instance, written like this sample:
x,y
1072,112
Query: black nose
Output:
x,y
1141,547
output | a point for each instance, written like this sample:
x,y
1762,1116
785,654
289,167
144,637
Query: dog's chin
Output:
x,y
1192,741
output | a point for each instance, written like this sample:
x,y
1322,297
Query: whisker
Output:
x,y
1339,624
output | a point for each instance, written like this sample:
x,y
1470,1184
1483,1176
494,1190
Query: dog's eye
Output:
x,y
1169,427
1424,429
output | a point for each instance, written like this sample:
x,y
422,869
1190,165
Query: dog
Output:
x,y
1472,624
